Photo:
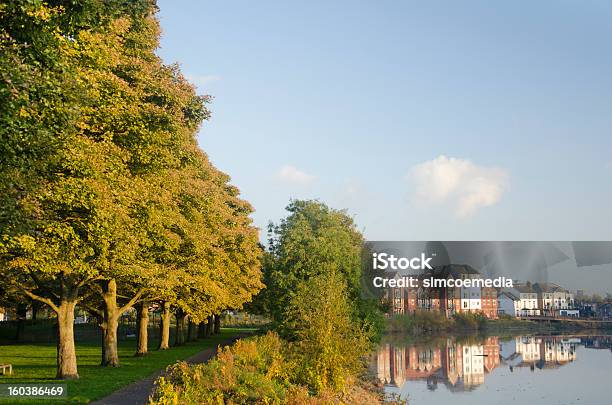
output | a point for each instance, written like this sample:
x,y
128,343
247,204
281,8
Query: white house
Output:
x,y
552,297
528,300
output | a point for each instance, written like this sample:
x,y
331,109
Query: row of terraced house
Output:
x,y
524,299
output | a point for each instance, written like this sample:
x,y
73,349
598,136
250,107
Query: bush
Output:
x,y
329,342
250,371
475,320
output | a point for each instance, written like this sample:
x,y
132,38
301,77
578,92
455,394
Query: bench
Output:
x,y
5,367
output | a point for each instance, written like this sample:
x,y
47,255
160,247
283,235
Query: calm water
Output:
x,y
565,369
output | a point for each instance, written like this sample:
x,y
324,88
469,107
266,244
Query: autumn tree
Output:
x,y
105,199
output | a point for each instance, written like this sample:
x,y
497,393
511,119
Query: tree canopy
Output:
x,y
105,198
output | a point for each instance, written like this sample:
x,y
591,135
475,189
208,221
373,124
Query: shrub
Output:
x,y
419,321
329,342
249,372
475,320
252,371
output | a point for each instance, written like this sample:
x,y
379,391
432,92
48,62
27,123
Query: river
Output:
x,y
524,369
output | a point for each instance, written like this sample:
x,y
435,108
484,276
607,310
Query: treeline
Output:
x,y
323,327
106,201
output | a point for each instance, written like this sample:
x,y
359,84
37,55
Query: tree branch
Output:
x,y
44,300
131,302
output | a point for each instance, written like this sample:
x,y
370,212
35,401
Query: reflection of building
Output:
x,y
460,366
473,365
537,352
556,352
491,353
597,342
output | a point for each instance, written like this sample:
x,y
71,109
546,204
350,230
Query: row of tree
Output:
x,y
106,201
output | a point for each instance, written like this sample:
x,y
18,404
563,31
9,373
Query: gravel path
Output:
x,y
137,393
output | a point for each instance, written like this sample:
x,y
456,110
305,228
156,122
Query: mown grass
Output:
x,y
35,363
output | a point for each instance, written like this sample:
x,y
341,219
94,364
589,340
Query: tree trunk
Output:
x,y
35,308
22,311
191,336
102,325
209,326
201,330
164,336
143,328
179,338
110,355
217,324
66,353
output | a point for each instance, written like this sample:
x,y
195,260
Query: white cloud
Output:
x,y
202,81
292,174
464,184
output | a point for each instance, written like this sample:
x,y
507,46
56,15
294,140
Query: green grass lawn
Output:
x,y
35,363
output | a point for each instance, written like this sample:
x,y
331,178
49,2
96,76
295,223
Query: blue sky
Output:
x,y
450,120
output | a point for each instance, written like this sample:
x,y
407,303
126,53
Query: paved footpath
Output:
x,y
137,393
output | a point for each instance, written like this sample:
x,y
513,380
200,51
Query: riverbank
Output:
x,y
430,322
258,369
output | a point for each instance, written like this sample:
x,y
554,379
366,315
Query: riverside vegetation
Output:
x,y
435,322
323,328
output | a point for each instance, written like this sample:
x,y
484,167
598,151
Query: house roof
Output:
x,y
392,274
548,287
524,288
509,295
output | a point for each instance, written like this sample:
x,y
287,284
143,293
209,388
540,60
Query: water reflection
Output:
x,y
460,366
463,364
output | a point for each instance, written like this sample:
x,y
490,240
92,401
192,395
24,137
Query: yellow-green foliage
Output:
x,y
470,320
319,365
253,371
329,341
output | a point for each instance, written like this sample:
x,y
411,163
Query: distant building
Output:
x,y
528,300
464,299
552,298
395,296
449,300
508,304
604,310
